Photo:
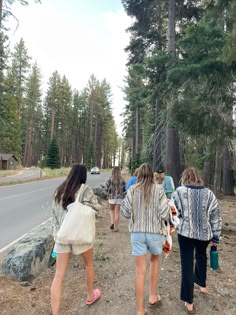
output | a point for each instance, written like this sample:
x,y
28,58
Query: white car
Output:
x,y
95,170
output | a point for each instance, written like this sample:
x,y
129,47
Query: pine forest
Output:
x,y
179,97
80,123
180,88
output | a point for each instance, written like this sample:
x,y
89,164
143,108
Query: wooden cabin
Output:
x,y
8,161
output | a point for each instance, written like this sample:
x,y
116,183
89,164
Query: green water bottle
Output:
x,y
214,257
54,255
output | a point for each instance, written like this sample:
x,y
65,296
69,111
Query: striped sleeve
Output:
x,y
90,199
177,203
126,206
55,221
215,218
164,206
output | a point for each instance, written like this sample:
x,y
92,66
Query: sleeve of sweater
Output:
x,y
54,220
126,206
57,217
215,218
172,184
164,206
108,185
90,199
177,202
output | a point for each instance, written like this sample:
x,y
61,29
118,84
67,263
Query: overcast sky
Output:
x,y
77,38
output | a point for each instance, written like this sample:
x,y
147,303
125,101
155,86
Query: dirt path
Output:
x,y
115,276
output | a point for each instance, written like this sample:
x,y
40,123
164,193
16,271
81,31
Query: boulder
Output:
x,y
101,191
30,255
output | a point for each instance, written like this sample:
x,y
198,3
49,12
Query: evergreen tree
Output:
x,y
31,114
20,68
53,158
11,129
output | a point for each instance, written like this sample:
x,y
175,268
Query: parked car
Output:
x,y
95,170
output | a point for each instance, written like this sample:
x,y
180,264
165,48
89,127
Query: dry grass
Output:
x,y
4,173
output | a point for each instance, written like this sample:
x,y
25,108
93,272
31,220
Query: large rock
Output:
x,y
30,255
101,191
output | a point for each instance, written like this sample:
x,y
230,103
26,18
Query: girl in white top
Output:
x,y
64,195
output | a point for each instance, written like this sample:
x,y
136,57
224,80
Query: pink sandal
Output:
x,y
96,296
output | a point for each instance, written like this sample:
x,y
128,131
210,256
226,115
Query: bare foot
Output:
x,y
154,301
189,307
204,290
144,312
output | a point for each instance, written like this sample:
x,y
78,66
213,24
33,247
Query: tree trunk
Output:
x,y
137,131
207,167
98,147
181,152
52,124
1,4
173,166
171,28
157,152
228,180
28,145
218,170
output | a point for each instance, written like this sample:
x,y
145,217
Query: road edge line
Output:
x,y
19,238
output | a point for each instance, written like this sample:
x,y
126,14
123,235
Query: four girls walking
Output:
x,y
146,206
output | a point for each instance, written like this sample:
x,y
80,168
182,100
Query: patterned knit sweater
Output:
x,y
148,219
199,213
113,192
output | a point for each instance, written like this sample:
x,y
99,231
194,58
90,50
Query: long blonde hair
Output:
x,y
191,176
116,177
145,182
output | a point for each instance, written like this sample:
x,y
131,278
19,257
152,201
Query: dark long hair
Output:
x,y
65,193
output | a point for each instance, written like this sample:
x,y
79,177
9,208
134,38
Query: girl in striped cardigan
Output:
x,y
147,208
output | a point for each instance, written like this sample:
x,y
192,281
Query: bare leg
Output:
x,y
112,213
56,288
154,272
88,261
117,216
140,273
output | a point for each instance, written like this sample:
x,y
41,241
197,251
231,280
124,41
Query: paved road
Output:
x,y
24,206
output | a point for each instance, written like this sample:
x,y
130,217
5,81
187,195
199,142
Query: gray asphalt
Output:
x,y
25,206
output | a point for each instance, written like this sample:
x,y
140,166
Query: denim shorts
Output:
x,y
142,243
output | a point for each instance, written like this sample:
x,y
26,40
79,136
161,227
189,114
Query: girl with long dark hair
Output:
x,y
64,195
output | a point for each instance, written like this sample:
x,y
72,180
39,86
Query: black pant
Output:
x,y
187,246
